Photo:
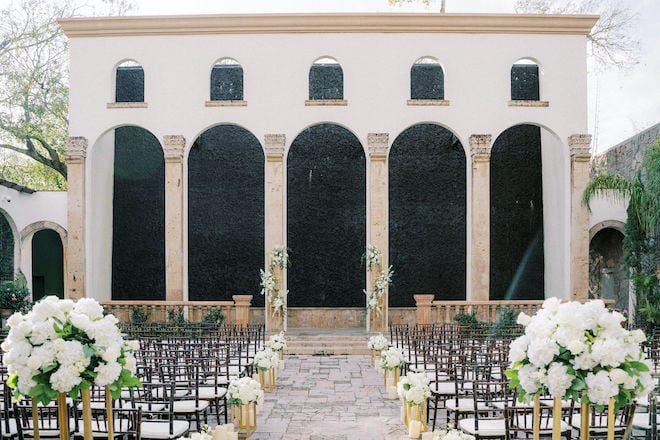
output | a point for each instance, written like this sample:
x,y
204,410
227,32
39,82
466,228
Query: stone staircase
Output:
x,y
327,341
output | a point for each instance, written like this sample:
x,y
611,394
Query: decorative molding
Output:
x,y
377,144
76,149
173,147
225,104
127,105
322,102
274,146
528,103
579,146
480,146
329,23
436,102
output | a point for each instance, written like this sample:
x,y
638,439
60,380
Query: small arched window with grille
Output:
x,y
427,79
129,82
326,80
227,80
525,80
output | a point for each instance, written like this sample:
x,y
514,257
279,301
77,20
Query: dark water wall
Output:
x,y
6,250
129,86
326,81
525,82
138,239
227,82
47,264
516,215
427,81
427,184
326,209
225,215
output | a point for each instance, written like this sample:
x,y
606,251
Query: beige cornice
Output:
x,y
328,23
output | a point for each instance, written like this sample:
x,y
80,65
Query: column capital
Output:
x,y
579,147
480,146
377,144
76,149
274,144
173,146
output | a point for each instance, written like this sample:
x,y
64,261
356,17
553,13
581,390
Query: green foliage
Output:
x,y
467,319
139,315
15,295
175,316
214,317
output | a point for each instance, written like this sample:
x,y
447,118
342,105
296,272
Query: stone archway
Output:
x,y
607,275
326,218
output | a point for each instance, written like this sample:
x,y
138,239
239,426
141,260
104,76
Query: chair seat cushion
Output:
x,y
443,388
190,406
464,405
161,430
487,427
212,393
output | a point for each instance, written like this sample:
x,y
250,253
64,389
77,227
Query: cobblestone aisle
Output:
x,y
329,397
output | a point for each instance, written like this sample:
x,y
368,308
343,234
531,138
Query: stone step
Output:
x,y
327,341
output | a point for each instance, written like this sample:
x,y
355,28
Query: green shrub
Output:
x,y
214,317
139,315
15,295
176,317
467,319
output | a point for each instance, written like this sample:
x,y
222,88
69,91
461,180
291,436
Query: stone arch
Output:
x,y
326,217
516,215
225,214
38,226
427,214
607,274
611,224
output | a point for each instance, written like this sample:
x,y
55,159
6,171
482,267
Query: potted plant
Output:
x,y
14,297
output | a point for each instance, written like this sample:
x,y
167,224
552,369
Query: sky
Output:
x,y
621,103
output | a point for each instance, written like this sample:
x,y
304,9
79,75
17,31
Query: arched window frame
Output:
x,y
430,100
313,100
532,101
128,62
215,101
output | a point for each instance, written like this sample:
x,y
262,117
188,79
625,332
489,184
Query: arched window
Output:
x,y
326,80
6,250
129,82
227,81
525,80
427,80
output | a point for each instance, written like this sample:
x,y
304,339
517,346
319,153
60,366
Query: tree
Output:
x,y
642,231
34,84
610,41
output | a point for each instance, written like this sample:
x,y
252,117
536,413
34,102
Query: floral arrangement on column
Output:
x,y
271,285
62,346
373,262
579,351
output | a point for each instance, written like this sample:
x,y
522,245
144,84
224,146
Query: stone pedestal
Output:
x,y
76,152
242,306
377,199
480,147
578,145
424,307
173,150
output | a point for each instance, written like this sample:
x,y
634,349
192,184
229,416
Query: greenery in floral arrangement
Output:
x,y
372,259
139,315
63,347
589,360
243,391
271,285
15,295
214,317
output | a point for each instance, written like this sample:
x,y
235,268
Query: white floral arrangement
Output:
x,y
414,388
277,342
243,391
579,351
391,358
266,359
270,285
378,343
373,259
219,432
453,434
62,346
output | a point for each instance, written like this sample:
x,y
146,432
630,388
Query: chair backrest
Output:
x,y
47,417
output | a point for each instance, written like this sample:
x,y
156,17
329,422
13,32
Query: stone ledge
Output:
x,y
322,102
240,103
127,105
528,103
436,102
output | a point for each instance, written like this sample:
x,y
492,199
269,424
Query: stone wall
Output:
x,y
626,158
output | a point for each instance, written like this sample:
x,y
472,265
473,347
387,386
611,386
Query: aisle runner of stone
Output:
x,y
329,397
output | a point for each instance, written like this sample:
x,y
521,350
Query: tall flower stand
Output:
x,y
584,419
244,418
414,417
375,356
267,379
395,377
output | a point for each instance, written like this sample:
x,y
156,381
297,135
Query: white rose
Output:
x,y
576,346
14,320
531,378
65,378
558,380
47,308
80,320
608,352
89,307
42,332
551,304
618,376
523,319
600,388
518,349
107,373
584,361
541,352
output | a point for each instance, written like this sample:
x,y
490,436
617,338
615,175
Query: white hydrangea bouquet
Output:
x,y
378,342
266,359
414,389
277,342
453,434
271,284
391,358
243,391
581,352
62,346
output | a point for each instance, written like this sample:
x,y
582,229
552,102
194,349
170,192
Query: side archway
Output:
x,y
47,264
427,192
326,218
225,214
7,249
607,274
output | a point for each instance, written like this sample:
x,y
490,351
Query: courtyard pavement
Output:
x,y
329,398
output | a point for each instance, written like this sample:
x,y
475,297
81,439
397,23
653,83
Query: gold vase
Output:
x,y
267,379
244,418
395,377
414,413
375,354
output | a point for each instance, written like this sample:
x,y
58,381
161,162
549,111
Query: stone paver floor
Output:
x,y
329,398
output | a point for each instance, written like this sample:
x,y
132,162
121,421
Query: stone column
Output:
x,y
377,144
76,152
274,215
578,145
480,146
242,306
173,150
424,308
